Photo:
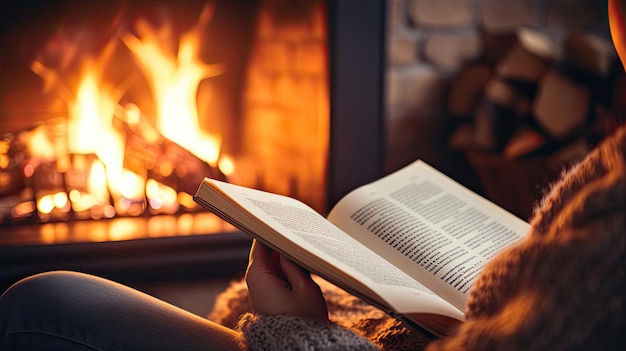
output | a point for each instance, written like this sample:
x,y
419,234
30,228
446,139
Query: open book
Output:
x,y
411,243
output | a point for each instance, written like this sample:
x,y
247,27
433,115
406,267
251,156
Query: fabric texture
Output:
x,y
345,311
292,333
73,311
562,288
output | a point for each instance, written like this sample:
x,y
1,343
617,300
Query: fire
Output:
x,y
42,148
93,122
90,129
174,79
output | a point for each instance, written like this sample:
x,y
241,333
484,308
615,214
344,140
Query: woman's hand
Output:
x,y
278,286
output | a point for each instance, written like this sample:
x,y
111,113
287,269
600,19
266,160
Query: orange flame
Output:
x,y
174,79
90,128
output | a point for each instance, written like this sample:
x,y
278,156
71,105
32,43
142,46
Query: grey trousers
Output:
x,y
75,311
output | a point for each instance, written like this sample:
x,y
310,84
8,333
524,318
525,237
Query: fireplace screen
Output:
x,y
115,110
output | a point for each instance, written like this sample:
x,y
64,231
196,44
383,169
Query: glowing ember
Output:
x,y
161,197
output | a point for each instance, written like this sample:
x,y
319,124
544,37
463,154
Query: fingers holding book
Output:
x,y
276,286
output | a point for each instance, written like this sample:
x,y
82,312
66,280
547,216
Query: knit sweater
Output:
x,y
563,287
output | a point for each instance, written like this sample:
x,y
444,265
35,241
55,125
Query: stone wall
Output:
x,y
429,41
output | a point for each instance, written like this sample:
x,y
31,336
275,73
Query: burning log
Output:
x,y
38,188
13,153
149,153
14,189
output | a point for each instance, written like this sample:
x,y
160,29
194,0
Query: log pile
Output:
x,y
528,107
26,177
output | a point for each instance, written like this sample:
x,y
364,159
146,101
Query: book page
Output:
x,y
309,239
431,227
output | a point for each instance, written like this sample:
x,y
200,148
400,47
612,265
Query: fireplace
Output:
x,y
103,147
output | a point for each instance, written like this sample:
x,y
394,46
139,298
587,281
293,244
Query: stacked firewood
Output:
x,y
529,107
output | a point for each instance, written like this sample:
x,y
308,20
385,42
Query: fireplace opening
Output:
x,y
113,112
131,103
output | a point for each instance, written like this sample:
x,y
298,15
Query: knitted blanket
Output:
x,y
343,308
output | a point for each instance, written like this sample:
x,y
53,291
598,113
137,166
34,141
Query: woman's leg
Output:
x,y
74,311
